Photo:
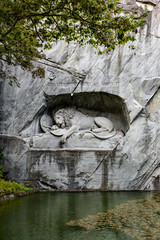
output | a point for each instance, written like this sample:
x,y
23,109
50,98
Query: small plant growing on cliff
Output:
x,y
39,72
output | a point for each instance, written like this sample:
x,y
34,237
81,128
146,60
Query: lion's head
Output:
x,y
63,117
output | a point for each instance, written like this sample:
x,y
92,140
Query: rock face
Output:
x,y
122,86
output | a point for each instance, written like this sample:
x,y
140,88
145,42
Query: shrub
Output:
x,y
7,187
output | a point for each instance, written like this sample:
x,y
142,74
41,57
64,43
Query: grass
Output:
x,y
7,188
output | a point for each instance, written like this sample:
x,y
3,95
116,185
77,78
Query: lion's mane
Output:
x,y
67,114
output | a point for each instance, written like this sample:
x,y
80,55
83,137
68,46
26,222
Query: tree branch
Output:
x,y
9,30
37,31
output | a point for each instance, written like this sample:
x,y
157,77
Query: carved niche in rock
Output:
x,y
80,124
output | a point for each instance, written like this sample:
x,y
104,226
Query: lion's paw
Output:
x,y
63,140
54,127
81,135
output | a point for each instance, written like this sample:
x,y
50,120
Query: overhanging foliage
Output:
x,y
28,26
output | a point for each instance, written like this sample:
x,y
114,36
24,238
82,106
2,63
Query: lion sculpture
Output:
x,y
69,121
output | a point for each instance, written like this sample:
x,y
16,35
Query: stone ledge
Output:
x,y
12,137
70,150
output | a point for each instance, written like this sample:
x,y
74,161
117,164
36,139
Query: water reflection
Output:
x,y
44,216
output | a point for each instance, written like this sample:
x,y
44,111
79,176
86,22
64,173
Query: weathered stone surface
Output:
x,y
154,2
124,84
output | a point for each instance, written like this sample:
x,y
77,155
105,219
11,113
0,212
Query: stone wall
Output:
x,y
129,78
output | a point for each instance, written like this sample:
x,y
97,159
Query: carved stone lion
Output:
x,y
69,121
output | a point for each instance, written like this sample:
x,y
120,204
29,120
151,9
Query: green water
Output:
x,y
43,216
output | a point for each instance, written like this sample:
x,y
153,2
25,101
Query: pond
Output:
x,y
44,216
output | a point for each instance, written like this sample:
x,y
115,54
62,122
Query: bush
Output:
x,y
7,187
